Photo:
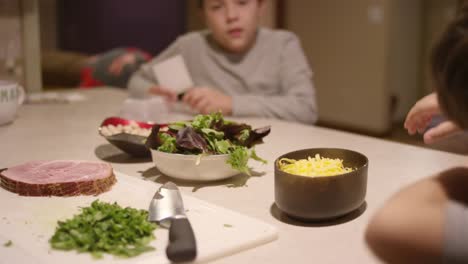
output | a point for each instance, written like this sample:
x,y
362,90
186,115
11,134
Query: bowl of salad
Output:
x,y
207,148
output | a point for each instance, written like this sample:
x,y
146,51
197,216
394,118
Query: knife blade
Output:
x,y
167,209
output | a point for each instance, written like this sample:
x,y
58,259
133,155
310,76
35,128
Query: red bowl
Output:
x,y
131,144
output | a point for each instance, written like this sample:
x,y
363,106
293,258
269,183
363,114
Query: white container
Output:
x,y
193,167
11,97
154,109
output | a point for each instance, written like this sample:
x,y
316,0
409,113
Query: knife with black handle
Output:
x,y
167,209
182,246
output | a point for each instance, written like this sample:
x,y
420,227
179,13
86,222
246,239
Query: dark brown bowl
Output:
x,y
322,197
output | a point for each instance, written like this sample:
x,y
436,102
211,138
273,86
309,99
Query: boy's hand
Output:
x,y
420,116
165,92
205,100
442,130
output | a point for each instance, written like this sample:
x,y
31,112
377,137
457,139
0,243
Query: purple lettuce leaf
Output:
x,y
236,133
256,136
153,141
232,131
189,139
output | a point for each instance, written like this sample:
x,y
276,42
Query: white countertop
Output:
x,y
69,131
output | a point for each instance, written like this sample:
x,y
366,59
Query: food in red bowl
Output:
x,y
127,135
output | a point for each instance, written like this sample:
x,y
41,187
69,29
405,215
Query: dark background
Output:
x,y
95,26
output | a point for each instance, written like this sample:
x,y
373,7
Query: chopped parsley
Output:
x,y
105,228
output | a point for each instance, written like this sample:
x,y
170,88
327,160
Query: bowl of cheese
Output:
x,y
320,183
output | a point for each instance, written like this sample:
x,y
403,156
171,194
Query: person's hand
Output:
x,y
169,94
119,63
420,116
205,100
442,130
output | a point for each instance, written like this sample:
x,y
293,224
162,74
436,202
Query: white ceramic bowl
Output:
x,y
185,167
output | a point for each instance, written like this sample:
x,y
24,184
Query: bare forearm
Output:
x,y
410,226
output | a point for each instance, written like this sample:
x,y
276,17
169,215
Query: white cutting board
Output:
x,y
30,221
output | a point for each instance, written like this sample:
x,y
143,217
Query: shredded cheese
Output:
x,y
312,167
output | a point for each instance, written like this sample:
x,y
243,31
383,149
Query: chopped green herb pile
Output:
x,y
9,243
210,135
106,228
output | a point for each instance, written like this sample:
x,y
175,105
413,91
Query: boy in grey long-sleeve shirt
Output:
x,y
238,68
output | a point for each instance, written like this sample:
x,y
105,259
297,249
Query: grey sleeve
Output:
x,y
296,101
143,79
455,246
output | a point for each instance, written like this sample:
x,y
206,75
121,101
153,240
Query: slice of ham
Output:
x,y
58,178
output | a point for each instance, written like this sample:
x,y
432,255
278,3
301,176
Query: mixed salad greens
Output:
x,y
210,135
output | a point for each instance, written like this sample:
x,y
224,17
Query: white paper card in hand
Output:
x,y
173,74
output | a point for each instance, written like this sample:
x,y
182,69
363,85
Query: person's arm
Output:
x,y
143,80
297,99
410,226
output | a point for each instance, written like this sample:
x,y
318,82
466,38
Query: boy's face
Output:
x,y
233,22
